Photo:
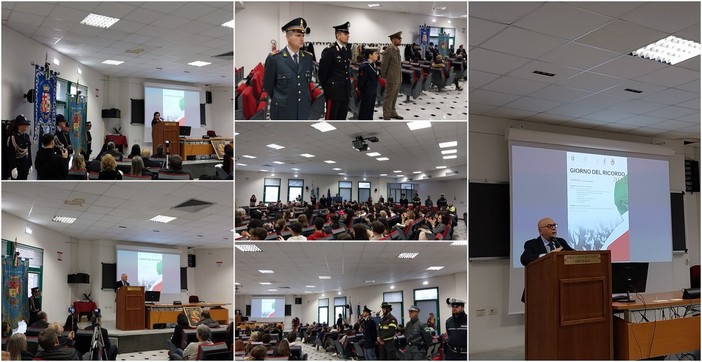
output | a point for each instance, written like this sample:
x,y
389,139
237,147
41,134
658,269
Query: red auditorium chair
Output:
x,y
318,101
251,107
355,99
193,299
381,91
695,276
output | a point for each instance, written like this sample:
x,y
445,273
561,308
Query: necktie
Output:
x,y
295,58
551,246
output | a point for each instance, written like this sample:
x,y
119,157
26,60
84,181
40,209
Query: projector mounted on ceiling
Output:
x,y
359,143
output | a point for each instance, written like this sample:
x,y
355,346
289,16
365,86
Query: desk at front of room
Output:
x,y
168,313
676,331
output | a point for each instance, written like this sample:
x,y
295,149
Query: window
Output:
x,y
323,310
339,308
345,188
364,189
427,300
395,190
36,263
395,299
295,187
271,190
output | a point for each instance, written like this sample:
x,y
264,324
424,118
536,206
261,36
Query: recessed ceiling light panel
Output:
x,y
99,21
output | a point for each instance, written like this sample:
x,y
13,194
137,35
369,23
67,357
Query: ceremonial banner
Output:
x,y
44,102
15,305
423,36
443,44
76,114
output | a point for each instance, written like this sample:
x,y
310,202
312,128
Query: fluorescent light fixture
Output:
x,y
235,283
341,173
382,159
435,268
329,161
323,126
248,248
449,21
670,50
295,169
277,147
263,170
397,171
440,8
440,167
418,125
364,179
459,243
451,157
295,176
306,155
383,174
345,178
338,293
308,291
392,287
369,281
433,20
162,219
28,230
79,71
425,282
374,5
236,133
416,172
272,290
373,154
448,152
229,24
407,255
248,156
199,63
266,271
113,62
99,21
56,61
324,277
310,286
241,164
279,163
264,283
448,144
336,169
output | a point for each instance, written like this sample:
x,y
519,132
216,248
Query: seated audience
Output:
x,y
296,230
108,168
258,353
42,321
49,164
110,349
17,347
159,152
283,349
146,157
259,233
64,341
360,232
207,320
203,337
302,219
179,338
318,229
111,150
49,342
378,229
175,165
136,151
228,158
138,169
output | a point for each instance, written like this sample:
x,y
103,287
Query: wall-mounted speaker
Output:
x,y
298,300
208,97
191,260
248,310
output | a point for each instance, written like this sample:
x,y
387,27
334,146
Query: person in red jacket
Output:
x,y
318,229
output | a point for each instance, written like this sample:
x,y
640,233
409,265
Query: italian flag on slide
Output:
x,y
618,241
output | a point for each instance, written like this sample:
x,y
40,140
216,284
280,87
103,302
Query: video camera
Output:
x,y
97,313
71,310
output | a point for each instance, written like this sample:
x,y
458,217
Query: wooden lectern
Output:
x,y
568,311
166,131
130,308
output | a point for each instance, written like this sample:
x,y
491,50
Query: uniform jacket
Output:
x,y
387,327
334,71
370,333
287,84
457,330
391,68
17,144
62,139
368,80
413,332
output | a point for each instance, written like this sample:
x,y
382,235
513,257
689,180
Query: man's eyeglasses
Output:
x,y
550,226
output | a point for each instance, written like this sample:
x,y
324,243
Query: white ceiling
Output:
x,y
109,205
454,9
586,45
349,264
407,150
172,34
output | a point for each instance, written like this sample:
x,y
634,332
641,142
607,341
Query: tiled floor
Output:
x,y
158,355
507,354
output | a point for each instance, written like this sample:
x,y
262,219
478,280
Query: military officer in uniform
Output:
x,y
414,331
386,334
89,150
34,305
457,330
20,148
334,73
62,138
391,70
288,73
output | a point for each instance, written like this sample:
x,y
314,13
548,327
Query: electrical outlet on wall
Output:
x,y
493,311
480,312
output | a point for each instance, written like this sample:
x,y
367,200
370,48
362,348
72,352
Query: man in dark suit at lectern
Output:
x,y
122,282
545,243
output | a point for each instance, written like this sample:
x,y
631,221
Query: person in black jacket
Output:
x,y
122,282
48,340
545,243
34,305
457,331
51,166
63,140
370,334
368,76
386,333
20,148
334,73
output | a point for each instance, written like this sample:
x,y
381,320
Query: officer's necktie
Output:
x,y
295,58
551,246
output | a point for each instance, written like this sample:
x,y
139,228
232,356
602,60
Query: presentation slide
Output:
x,y
175,104
267,308
156,271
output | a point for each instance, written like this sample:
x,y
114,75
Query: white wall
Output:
x,y
56,292
207,280
367,26
18,78
489,280
251,183
450,286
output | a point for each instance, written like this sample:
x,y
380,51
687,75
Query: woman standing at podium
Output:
x,y
157,118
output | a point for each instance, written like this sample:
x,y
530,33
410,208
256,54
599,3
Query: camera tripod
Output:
x,y
97,343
